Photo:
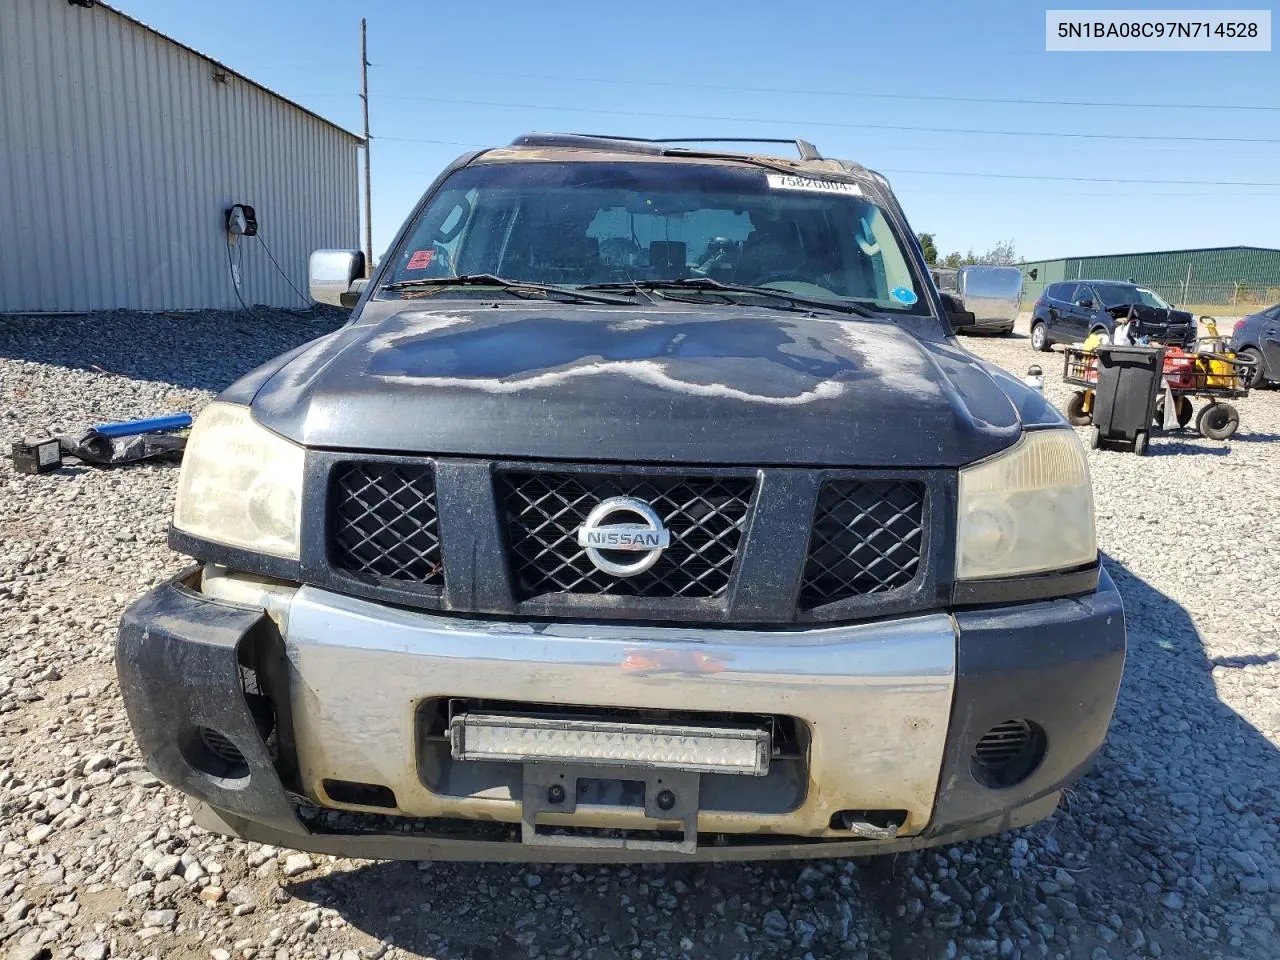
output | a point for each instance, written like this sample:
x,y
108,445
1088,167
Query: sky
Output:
x,y
858,80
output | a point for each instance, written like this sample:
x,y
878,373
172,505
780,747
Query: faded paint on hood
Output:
x,y
722,384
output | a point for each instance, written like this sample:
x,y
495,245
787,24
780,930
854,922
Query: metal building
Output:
x,y
1228,276
121,151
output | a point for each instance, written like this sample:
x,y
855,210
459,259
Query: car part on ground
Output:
x,y
107,444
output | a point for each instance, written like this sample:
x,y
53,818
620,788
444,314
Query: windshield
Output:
x,y
1121,294
1152,299
586,223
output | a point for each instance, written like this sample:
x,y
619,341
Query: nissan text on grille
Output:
x,y
646,508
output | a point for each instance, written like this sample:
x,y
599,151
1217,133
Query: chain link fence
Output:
x,y
1243,296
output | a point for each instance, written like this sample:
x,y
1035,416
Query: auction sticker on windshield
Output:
x,y
782,181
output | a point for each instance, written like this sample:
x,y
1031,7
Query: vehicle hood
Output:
x,y
722,385
1156,317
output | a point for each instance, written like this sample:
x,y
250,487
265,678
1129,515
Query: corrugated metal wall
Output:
x,y
119,153
1047,272
1210,275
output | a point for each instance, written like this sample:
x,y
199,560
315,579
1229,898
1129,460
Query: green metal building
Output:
x,y
1240,277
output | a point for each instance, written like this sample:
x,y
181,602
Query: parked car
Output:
x,y
644,509
1067,312
991,294
1257,338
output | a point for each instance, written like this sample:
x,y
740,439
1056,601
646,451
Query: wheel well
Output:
x,y
1262,359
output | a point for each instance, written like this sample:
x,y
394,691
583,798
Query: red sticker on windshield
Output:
x,y
420,260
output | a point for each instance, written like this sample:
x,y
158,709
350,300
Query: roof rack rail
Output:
x,y
652,145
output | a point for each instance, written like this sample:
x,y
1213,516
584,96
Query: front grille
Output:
x,y
705,517
383,523
867,538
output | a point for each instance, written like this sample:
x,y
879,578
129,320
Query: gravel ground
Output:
x,y
1171,847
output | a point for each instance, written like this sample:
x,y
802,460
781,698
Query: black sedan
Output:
x,y
1257,338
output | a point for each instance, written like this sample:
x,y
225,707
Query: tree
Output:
x,y
1002,254
928,249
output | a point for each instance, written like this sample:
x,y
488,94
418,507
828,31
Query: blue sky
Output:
x,y
813,70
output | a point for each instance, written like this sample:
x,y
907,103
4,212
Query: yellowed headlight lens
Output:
x,y
1027,510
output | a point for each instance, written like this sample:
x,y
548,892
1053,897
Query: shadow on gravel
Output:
x,y
1247,437
203,350
1171,838
1248,661
1175,446
1168,841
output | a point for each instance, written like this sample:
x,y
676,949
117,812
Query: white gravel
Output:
x,y
1171,847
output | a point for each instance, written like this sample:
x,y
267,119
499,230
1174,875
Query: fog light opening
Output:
x,y
212,753
360,794
1008,754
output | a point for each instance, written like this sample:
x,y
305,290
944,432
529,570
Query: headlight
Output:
x,y
1028,510
241,484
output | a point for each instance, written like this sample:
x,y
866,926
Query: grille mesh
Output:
x,y
383,522
705,516
867,538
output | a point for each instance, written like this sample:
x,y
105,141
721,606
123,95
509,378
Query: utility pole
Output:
x,y
368,194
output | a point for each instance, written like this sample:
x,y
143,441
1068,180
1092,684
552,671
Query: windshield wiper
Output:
x,y
707,283
510,286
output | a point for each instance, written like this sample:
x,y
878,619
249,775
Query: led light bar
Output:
x,y
475,736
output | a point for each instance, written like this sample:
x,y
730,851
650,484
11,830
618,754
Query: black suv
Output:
x,y
647,507
1068,312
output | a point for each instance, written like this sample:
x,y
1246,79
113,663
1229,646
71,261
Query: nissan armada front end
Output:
x,y
646,508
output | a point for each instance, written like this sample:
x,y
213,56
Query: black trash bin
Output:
x,y
1125,401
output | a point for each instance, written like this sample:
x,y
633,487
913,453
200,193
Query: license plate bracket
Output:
x,y
670,797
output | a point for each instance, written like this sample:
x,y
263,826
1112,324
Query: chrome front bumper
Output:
x,y
893,714
875,698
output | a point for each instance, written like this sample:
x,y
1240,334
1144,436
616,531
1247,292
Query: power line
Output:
x,y
865,96
845,125
448,143
1032,176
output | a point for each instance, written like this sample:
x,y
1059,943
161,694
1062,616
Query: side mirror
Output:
x,y
1086,303
1033,273
333,275
956,313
